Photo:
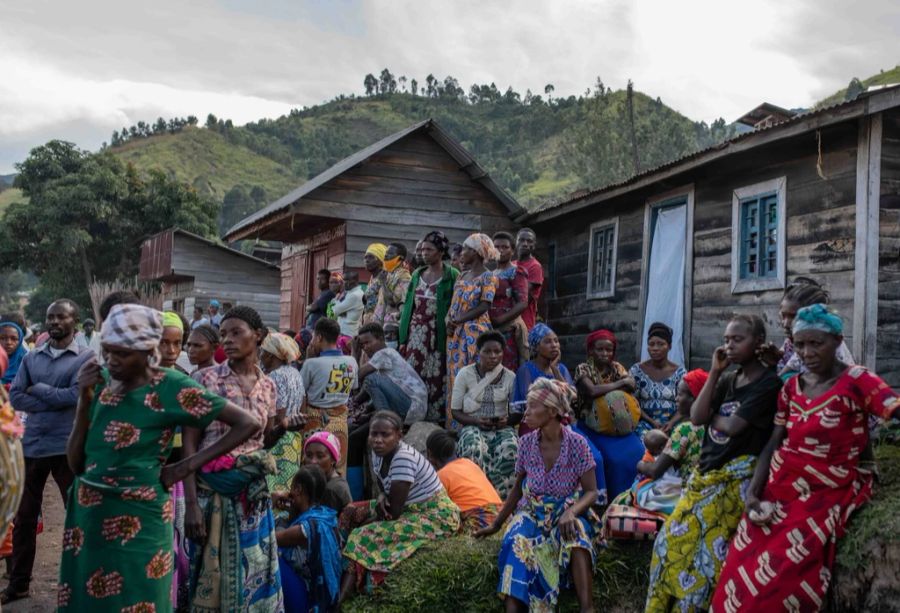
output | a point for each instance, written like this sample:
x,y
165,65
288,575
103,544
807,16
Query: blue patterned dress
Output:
x,y
657,398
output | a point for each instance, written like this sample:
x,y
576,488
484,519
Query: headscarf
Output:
x,y
661,331
281,346
553,393
170,319
133,326
439,240
337,276
329,441
215,303
536,335
18,354
695,380
482,245
378,250
818,317
600,335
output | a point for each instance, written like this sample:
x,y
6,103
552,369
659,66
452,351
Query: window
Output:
x,y
758,245
602,259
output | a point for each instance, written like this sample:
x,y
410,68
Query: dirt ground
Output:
x,y
46,564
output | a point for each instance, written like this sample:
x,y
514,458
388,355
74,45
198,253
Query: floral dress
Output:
x,y
815,483
422,348
117,544
288,451
467,294
657,398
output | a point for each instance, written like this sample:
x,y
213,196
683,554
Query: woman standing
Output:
x,y
737,409
201,347
808,480
472,297
117,544
480,404
277,355
12,464
12,341
549,542
544,364
510,301
228,518
656,381
170,344
423,328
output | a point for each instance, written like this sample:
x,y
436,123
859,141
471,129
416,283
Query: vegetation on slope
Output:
x,y
857,86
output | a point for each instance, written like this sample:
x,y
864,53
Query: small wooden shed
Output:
x,y
396,190
724,230
194,270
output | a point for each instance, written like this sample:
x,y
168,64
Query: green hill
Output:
x,y
885,77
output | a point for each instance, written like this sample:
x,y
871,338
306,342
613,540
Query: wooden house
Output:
x,y
725,229
396,190
194,270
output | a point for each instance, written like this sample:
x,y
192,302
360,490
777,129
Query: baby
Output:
x,y
655,442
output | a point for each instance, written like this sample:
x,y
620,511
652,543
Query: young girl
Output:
x,y
466,484
737,409
549,542
323,449
309,556
412,509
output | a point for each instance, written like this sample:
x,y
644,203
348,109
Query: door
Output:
x,y
665,297
319,262
299,290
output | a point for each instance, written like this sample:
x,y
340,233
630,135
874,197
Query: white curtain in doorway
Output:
x,y
665,279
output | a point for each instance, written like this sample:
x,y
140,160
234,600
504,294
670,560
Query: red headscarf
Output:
x,y
695,380
601,335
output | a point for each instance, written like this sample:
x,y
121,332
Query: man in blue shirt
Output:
x,y
46,390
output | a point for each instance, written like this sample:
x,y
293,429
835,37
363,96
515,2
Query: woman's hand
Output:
x,y
760,513
173,473
769,354
383,508
485,532
568,528
294,423
719,360
281,500
89,375
194,526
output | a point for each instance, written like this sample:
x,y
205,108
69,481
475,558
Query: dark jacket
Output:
x,y
444,297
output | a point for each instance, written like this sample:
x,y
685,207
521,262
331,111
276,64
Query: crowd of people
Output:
x,y
217,464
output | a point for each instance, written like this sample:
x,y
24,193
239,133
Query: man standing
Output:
x,y
199,319
525,243
46,390
348,307
215,318
396,282
315,310
374,262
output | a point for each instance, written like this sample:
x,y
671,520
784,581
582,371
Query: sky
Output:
x,y
79,70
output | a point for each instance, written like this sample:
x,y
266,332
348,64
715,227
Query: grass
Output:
x,y
10,195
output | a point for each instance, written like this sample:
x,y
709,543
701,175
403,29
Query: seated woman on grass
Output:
x,y
480,403
465,482
412,510
309,555
323,449
809,478
555,488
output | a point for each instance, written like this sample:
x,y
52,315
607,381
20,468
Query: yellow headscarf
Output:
x,y
172,320
378,250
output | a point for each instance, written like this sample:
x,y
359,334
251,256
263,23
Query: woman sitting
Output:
x,y
480,403
412,509
544,363
737,409
608,414
808,480
310,547
465,482
201,347
656,381
323,449
549,542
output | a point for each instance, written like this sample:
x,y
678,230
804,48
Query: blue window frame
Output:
x,y
759,237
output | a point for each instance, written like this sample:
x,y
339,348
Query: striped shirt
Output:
x,y
409,466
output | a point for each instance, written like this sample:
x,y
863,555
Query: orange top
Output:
x,y
467,485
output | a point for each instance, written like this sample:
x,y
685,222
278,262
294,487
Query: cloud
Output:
x,y
78,70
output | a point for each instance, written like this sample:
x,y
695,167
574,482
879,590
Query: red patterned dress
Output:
x,y
815,483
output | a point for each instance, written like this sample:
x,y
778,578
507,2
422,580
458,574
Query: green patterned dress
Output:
x,y
117,545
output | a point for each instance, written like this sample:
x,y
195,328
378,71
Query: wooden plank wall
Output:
x,y
888,344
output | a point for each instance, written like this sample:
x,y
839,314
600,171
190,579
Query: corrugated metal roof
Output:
x,y
441,137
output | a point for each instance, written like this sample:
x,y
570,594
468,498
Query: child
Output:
x,y
323,449
309,555
465,482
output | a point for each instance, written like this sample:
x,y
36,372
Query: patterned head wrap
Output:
x,y
601,335
378,250
438,239
329,441
132,326
695,380
337,276
482,245
818,317
303,338
171,319
552,393
281,346
536,335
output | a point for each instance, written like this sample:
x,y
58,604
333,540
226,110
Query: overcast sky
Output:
x,y
78,70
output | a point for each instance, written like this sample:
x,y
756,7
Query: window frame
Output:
x,y
778,187
602,224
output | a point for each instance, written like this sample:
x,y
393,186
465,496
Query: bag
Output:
x,y
615,414
631,523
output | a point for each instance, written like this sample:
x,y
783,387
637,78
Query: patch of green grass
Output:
x,y
10,195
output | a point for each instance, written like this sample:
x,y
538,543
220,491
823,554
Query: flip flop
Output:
x,y
7,596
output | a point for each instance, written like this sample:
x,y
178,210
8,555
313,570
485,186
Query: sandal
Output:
x,y
7,596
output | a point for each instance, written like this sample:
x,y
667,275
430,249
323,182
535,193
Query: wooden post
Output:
x,y
868,194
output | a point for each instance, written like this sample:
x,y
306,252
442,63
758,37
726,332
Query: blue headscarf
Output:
x,y
537,334
15,358
818,317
